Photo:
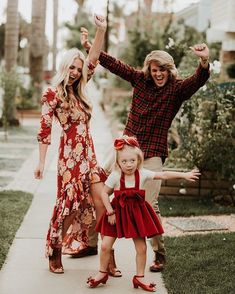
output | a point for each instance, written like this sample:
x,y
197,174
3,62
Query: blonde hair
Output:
x,y
136,150
162,58
61,78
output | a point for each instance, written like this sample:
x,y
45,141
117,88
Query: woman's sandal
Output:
x,y
94,283
112,268
55,265
56,270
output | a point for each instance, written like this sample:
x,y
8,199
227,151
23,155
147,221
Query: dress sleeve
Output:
x,y
112,179
90,69
48,107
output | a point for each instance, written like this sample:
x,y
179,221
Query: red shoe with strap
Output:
x,y
94,283
150,287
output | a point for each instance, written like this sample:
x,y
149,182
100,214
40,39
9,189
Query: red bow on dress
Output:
x,y
123,197
125,140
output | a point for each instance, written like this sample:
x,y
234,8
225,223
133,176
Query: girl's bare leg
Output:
x,y
138,279
141,249
105,252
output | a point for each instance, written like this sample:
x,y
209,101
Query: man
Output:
x,y
157,97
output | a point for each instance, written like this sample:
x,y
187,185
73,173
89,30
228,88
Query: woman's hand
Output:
x,y
193,175
100,22
38,172
84,39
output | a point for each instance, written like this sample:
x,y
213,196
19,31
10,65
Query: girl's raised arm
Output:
x,y
191,176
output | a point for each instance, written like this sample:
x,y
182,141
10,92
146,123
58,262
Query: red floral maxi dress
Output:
x,y
77,168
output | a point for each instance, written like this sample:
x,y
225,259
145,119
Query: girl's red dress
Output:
x,y
134,216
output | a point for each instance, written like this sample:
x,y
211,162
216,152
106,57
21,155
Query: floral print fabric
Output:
x,y
77,168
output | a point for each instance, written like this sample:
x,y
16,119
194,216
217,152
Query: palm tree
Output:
x,y
37,46
106,41
55,30
9,79
148,14
11,34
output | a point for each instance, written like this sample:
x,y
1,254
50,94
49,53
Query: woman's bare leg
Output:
x,y
68,220
105,252
96,190
55,262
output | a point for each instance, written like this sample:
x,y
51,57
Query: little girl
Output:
x,y
129,215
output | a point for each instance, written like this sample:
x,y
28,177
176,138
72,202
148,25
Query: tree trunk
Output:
x,y
148,14
37,46
106,41
11,35
11,50
55,30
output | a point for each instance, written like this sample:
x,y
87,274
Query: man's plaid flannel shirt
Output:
x,y
153,109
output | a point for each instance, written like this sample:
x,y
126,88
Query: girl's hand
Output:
x,y
192,176
112,219
100,22
84,39
38,172
201,50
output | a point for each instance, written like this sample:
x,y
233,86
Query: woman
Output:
x,y
79,176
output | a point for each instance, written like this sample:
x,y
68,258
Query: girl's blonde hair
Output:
x,y
128,142
61,78
163,59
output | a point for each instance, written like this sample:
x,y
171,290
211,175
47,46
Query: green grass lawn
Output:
x,y
21,142
200,264
192,207
13,207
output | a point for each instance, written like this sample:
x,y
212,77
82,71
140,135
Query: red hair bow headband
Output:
x,y
120,142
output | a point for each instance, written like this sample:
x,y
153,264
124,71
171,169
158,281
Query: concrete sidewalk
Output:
x,y
26,269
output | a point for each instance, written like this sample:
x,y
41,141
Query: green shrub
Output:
x,y
207,130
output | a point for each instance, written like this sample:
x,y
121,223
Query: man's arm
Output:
x,y
202,51
114,65
189,86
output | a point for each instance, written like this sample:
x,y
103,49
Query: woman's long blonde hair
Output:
x,y
61,78
163,59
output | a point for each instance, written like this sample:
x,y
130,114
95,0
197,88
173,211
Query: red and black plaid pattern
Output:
x,y
152,108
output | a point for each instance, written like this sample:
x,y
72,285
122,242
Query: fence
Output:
x,y
207,186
